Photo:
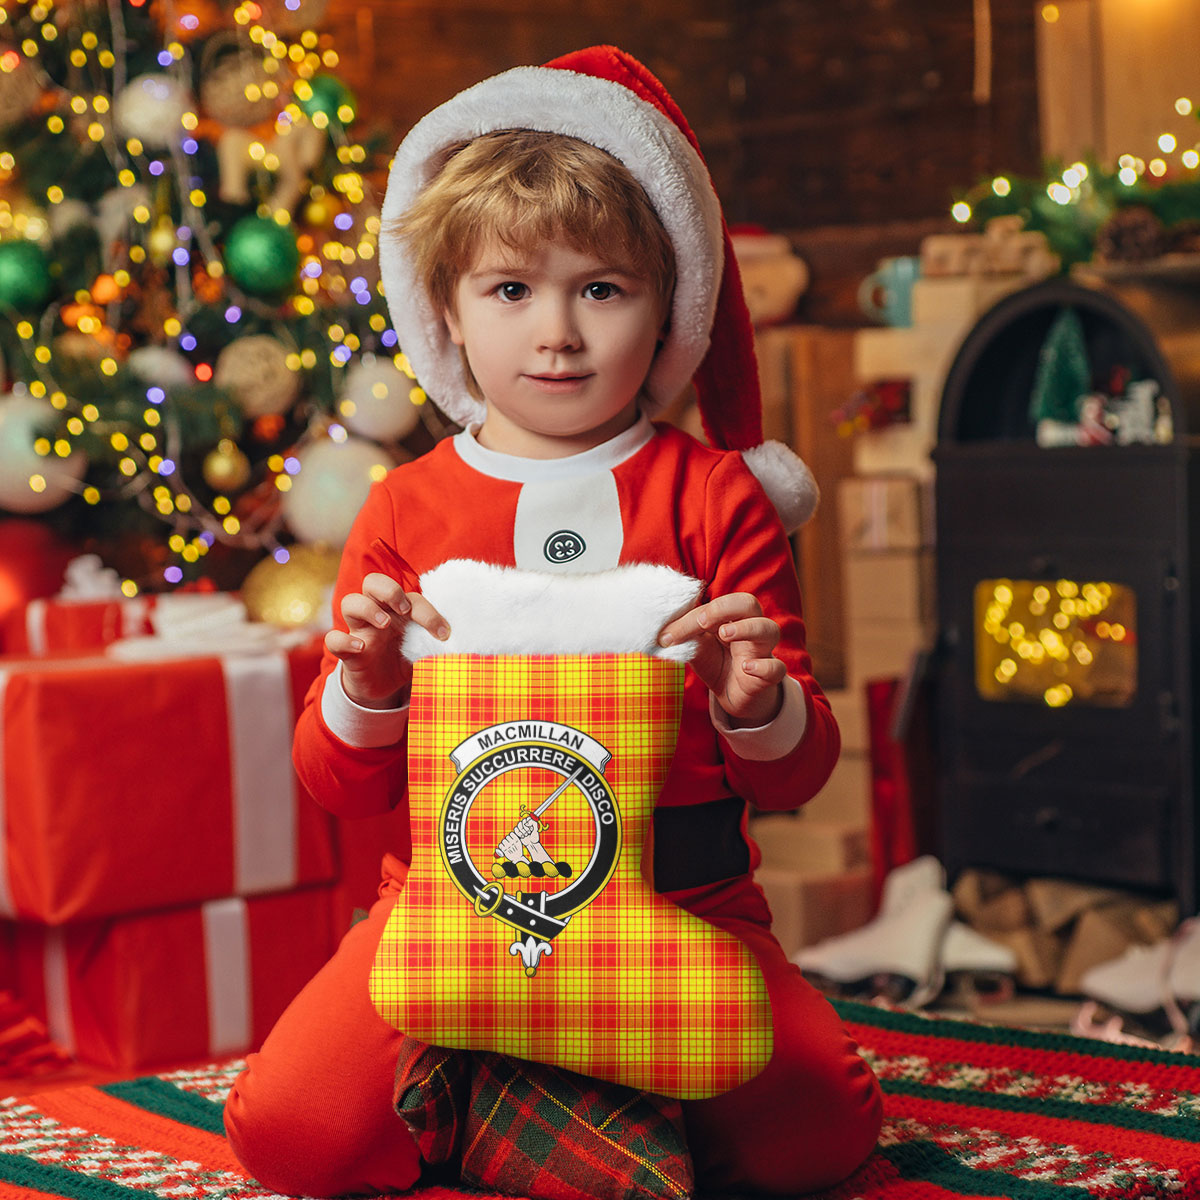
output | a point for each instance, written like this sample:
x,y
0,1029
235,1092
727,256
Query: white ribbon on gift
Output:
x,y
56,980
258,695
35,626
227,975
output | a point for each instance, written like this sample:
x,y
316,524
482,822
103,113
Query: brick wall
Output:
x,y
810,113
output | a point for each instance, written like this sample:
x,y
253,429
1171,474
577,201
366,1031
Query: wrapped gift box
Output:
x,y
888,586
47,626
885,512
807,908
130,786
173,987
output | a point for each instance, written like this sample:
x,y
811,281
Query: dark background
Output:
x,y
847,125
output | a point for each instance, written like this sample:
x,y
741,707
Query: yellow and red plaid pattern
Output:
x,y
634,989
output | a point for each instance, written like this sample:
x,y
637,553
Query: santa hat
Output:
x,y
607,98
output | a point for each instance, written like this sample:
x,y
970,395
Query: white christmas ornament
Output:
x,y
332,483
66,215
29,482
151,108
162,366
375,400
255,370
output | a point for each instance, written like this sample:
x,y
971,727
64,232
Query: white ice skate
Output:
x,y
898,953
1155,987
980,966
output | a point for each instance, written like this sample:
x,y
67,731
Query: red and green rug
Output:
x,y
972,1110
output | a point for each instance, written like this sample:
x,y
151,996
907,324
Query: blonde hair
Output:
x,y
521,188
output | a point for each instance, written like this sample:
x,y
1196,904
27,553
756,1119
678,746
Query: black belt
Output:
x,y
698,844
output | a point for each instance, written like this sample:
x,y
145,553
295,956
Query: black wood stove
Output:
x,y
1068,656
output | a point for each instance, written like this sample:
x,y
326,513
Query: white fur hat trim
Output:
x,y
604,114
503,610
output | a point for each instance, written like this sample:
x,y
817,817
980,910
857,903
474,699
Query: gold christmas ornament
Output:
x,y
162,242
236,88
295,593
225,467
255,370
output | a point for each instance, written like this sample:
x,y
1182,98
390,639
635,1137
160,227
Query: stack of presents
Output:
x,y
166,885
823,869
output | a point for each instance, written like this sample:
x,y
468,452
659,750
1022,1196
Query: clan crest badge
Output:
x,y
540,910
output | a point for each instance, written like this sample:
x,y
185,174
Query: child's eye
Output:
x,y
512,291
601,291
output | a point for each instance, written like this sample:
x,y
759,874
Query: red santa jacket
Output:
x,y
651,495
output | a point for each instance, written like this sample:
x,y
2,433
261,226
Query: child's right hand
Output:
x,y
374,672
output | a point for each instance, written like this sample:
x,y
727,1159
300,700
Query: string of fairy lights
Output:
x,y
1070,187
1044,637
295,279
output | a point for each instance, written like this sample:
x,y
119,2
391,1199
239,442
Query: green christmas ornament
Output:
x,y
24,275
328,95
262,256
1064,375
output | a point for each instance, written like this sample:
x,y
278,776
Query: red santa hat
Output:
x,y
607,98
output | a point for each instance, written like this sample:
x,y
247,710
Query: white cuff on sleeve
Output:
x,y
765,743
356,725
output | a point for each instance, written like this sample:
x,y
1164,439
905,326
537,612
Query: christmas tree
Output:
x,y
196,357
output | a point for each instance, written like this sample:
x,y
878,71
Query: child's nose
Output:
x,y
557,328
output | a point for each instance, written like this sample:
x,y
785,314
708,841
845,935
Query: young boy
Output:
x,y
557,266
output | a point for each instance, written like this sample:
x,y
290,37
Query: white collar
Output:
x,y
514,469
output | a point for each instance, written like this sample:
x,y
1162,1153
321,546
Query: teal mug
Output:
x,y
886,294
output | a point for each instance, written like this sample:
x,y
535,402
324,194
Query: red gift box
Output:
x,y
52,625
173,987
131,786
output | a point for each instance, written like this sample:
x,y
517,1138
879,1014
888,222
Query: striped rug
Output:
x,y
972,1111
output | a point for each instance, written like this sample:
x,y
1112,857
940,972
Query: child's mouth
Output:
x,y
558,383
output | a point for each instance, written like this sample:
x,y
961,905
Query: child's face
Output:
x,y
559,342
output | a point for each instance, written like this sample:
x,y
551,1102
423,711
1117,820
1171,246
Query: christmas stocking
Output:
x,y
525,925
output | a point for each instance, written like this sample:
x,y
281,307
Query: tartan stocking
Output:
x,y
525,925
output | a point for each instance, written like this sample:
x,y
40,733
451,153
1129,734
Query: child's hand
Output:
x,y
374,673
734,656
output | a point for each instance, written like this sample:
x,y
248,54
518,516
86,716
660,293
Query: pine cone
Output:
x,y
1132,234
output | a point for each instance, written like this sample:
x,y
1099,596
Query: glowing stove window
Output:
x,y
1056,642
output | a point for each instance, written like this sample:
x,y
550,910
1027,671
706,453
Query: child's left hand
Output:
x,y
734,655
